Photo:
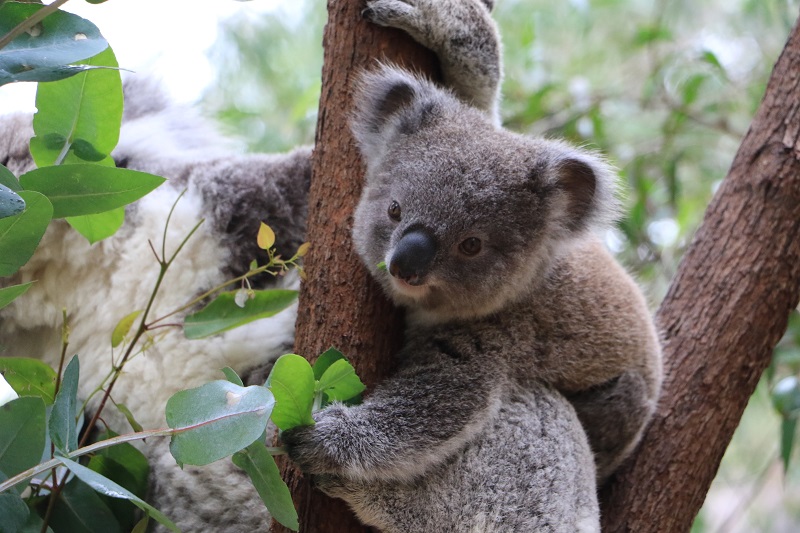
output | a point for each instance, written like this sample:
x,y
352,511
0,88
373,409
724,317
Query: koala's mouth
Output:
x,y
415,288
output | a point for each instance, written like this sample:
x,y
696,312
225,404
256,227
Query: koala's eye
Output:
x,y
470,246
394,211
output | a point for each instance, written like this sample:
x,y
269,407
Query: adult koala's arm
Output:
x,y
463,36
412,422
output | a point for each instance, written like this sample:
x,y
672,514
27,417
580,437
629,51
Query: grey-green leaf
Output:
x,y
9,294
10,202
788,432
60,39
215,420
14,512
232,376
85,189
223,314
20,234
264,473
292,383
63,429
107,487
22,438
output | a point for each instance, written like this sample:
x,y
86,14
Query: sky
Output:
x,y
167,39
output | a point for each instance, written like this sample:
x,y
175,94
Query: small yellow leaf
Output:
x,y
122,328
266,237
303,250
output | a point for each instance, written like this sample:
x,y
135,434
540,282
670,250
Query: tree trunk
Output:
x,y
340,305
724,313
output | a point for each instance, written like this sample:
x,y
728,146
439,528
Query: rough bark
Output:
x,y
339,303
726,309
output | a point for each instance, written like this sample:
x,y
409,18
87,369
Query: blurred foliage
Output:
x,y
665,89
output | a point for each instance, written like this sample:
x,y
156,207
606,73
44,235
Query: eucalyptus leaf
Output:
x,y
292,383
788,432
109,488
22,438
215,420
30,377
223,313
80,510
9,294
85,189
13,511
325,360
264,473
8,179
58,40
20,234
10,202
98,226
123,327
63,429
80,116
232,376
340,382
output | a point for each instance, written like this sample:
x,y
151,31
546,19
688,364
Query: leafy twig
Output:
x,y
30,22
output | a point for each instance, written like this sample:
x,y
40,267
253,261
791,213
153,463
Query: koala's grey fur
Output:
x,y
540,304
588,333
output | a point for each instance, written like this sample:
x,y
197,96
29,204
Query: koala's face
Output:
x,y
464,216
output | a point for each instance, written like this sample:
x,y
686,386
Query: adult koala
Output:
x,y
234,193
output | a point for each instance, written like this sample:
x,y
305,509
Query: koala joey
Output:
x,y
512,304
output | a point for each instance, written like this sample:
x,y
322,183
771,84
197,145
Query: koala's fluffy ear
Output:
x,y
390,101
588,187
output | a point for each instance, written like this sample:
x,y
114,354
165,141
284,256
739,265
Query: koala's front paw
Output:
x,y
392,13
323,448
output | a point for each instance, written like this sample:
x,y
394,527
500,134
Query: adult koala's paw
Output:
x,y
402,14
324,448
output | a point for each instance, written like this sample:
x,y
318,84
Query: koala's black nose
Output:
x,y
412,257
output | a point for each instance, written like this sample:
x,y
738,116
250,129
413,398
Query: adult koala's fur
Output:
x,y
560,315
101,283
489,241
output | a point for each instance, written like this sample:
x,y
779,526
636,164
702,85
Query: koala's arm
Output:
x,y
463,36
410,423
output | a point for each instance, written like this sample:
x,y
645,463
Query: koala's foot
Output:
x,y
614,415
460,32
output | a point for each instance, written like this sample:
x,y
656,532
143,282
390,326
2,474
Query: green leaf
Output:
x,y
123,327
34,525
30,377
60,39
223,314
14,512
232,376
98,226
340,382
107,487
325,360
22,439
63,429
136,426
9,294
292,383
132,459
20,234
10,202
215,420
81,115
80,510
124,510
85,189
8,179
264,473
788,432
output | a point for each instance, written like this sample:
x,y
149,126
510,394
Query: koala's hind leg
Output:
x,y
614,415
463,36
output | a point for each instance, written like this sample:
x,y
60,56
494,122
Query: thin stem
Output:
x,y
30,22
52,463
166,227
